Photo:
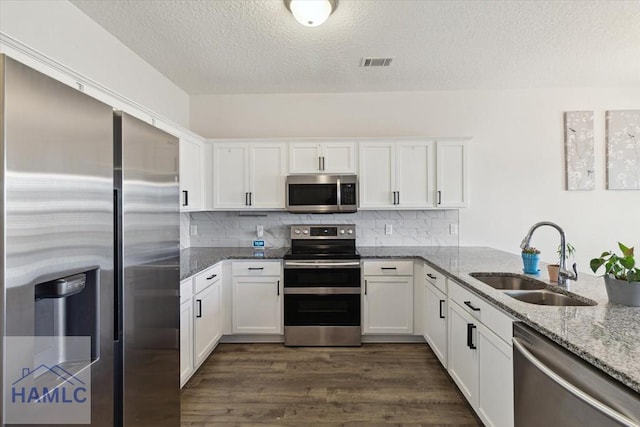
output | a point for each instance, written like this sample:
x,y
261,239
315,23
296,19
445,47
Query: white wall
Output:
x,y
517,156
60,31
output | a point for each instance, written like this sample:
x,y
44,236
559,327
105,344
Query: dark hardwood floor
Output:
x,y
376,384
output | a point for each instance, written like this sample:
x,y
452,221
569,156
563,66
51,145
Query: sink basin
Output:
x,y
527,289
508,281
547,298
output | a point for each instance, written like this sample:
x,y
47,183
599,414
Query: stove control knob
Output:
x,y
296,231
342,231
305,231
350,231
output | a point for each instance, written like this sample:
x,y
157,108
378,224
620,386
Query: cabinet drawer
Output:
x,y
186,289
493,318
207,277
435,277
252,268
388,268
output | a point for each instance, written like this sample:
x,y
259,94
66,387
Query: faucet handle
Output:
x,y
569,275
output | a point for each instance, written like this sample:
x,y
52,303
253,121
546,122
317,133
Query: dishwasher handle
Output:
x,y
580,394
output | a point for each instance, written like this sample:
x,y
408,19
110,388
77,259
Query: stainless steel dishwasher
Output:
x,y
553,387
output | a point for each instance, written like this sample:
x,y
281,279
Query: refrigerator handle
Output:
x,y
117,273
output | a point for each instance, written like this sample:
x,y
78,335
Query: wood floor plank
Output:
x,y
376,384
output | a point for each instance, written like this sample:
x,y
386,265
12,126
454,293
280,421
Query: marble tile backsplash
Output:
x,y
185,239
238,229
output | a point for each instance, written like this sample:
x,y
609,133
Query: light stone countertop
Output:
x,y
605,335
194,260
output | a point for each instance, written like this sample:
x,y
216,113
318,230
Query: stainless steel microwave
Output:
x,y
322,193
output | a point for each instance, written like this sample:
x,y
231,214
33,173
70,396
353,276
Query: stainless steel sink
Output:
x,y
509,281
529,290
547,298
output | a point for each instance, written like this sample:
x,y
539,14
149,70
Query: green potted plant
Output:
x,y
621,276
554,269
530,259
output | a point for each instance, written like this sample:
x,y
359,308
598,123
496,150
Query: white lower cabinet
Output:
x,y
257,298
463,354
200,319
435,328
388,297
186,342
480,360
495,396
207,325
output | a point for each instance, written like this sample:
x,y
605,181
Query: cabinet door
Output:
x,y
207,324
304,157
231,176
495,397
257,305
338,157
190,175
436,321
377,175
415,174
463,359
452,174
388,305
268,172
186,341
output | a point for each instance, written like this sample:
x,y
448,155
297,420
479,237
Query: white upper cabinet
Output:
x,y
322,157
377,174
452,174
190,175
268,170
397,175
248,175
415,175
230,175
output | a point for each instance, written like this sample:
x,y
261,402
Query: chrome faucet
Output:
x,y
563,274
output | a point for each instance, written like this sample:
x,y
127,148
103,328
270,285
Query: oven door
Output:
x,y
322,273
322,317
322,307
322,302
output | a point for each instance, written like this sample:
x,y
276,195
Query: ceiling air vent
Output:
x,y
376,62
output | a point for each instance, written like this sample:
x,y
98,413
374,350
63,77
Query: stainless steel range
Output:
x,y
322,287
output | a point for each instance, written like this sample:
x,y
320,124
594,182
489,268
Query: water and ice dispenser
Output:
x,y
66,307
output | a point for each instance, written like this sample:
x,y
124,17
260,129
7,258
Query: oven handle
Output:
x,y
321,264
322,291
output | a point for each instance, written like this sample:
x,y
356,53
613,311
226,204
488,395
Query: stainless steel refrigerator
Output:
x,y
89,248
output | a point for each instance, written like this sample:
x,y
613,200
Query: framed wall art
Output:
x,y
623,149
579,150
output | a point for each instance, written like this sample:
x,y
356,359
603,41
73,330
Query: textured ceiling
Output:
x,y
256,46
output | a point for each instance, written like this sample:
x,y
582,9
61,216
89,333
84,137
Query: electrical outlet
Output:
x,y
388,229
259,230
453,229
193,230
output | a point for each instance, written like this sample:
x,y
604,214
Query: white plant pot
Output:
x,y
622,292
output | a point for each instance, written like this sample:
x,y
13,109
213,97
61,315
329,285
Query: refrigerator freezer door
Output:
x,y
57,190
150,225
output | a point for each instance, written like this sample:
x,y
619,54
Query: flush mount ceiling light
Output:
x,y
311,13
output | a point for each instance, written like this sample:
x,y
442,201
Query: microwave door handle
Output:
x,y
339,195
